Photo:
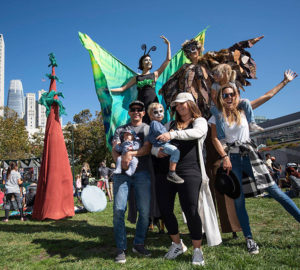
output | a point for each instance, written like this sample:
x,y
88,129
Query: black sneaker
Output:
x,y
140,249
173,177
120,256
252,246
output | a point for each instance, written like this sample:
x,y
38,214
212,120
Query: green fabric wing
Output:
x,y
110,73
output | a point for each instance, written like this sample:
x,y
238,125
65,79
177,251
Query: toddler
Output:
x,y
156,114
223,74
130,143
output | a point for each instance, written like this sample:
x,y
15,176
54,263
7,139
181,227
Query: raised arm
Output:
x,y
130,83
289,75
158,72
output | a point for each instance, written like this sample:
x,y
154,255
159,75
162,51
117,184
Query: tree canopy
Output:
x,y
89,140
14,141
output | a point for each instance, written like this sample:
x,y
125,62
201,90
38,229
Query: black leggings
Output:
x,y
188,196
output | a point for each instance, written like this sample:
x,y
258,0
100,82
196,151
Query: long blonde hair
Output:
x,y
234,115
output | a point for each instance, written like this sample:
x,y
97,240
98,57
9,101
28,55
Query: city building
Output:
x,y
35,115
2,55
260,119
30,111
279,130
15,99
41,112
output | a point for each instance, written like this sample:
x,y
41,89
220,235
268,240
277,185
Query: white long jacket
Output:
x,y
206,206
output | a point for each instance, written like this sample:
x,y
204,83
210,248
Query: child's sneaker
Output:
x,y
173,177
255,127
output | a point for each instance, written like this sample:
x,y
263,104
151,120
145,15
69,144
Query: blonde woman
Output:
x,y
241,156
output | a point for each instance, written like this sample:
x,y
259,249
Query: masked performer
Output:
x,y
146,81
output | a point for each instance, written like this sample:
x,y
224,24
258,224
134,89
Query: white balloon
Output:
x,y
93,199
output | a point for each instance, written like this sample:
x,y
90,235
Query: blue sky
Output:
x,y
33,28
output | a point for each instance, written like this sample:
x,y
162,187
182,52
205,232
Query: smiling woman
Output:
x,y
146,81
232,141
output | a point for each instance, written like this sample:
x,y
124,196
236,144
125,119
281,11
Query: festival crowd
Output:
x,y
205,155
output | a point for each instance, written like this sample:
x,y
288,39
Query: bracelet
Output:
x,y
224,156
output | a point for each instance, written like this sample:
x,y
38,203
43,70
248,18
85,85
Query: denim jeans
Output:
x,y
244,104
242,163
287,203
173,151
141,183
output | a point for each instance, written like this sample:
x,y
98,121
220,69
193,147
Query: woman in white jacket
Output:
x,y
187,132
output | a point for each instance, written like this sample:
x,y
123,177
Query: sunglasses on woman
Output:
x,y
227,95
136,109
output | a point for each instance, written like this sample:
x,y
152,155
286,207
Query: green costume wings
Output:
x,y
109,73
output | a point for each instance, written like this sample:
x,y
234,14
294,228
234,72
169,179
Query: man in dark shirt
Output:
x,y
276,167
140,181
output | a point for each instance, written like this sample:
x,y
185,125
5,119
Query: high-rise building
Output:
x,y
2,51
41,112
15,98
30,112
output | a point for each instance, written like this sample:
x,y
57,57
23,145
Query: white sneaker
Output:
x,y
198,257
255,127
175,250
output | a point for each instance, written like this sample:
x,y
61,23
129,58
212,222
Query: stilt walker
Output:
x,y
54,197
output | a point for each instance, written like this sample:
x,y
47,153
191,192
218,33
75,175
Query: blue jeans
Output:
x,y
141,183
242,164
173,151
244,104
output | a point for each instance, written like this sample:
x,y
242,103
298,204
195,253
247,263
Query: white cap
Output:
x,y
182,97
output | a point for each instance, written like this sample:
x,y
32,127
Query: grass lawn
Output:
x,y
86,242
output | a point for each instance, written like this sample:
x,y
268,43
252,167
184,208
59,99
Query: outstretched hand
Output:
x,y
165,40
290,75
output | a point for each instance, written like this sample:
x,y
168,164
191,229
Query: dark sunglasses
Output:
x,y
227,95
156,112
136,110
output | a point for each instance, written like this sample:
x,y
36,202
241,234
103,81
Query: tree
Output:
x,y
89,140
14,141
37,143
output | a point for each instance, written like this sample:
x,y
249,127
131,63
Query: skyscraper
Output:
x,y
41,112
2,51
15,98
30,113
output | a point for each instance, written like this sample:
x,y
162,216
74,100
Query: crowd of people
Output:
x,y
186,153
210,132
15,195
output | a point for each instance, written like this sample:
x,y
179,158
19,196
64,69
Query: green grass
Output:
x,y
86,242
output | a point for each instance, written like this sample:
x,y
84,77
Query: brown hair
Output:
x,y
234,115
11,167
195,112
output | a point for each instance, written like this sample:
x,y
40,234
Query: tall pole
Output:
x,y
73,154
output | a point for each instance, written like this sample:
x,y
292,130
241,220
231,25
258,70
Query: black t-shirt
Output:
x,y
189,157
275,165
